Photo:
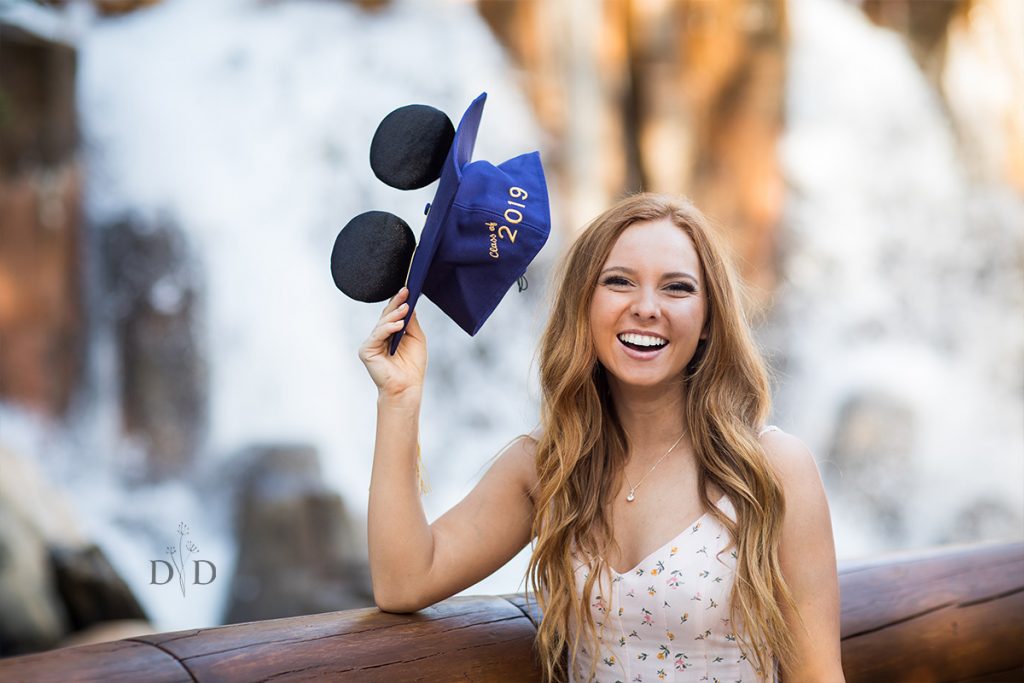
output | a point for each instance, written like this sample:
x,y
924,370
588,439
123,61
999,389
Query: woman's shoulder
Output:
x,y
525,445
518,458
790,458
522,445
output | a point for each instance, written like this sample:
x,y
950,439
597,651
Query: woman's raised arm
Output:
x,y
414,564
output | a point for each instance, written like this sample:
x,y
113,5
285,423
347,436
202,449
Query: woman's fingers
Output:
x,y
398,313
394,315
396,301
390,320
389,324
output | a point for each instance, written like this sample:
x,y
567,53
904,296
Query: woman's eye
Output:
x,y
685,287
682,287
615,281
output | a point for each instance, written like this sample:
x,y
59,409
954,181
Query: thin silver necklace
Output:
x,y
632,489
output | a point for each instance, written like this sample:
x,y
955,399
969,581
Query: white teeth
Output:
x,y
642,339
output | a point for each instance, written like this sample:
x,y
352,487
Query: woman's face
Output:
x,y
648,310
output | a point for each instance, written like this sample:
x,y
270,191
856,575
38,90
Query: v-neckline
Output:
x,y
718,504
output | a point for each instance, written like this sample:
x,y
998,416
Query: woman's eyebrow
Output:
x,y
666,276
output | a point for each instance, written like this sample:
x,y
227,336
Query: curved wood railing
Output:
x,y
951,614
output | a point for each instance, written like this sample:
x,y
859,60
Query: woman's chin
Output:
x,y
647,380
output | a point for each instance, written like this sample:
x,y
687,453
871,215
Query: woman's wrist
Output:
x,y
401,398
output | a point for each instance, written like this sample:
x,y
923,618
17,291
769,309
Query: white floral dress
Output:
x,y
667,619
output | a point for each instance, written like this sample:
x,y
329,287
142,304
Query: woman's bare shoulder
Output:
x,y
796,469
787,453
520,457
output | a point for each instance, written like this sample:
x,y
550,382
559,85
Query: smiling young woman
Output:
x,y
647,312
652,435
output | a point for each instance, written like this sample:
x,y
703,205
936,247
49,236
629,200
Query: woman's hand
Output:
x,y
396,375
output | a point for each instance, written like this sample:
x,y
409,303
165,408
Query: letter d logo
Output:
x,y
213,572
152,567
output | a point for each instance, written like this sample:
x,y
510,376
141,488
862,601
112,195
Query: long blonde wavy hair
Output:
x,y
582,447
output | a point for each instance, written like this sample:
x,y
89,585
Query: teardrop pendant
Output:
x,y
630,498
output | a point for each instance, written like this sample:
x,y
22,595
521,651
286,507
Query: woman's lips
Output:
x,y
641,355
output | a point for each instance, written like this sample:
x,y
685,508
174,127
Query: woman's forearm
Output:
x,y
400,541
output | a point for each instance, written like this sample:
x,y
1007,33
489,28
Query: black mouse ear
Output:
x,y
410,146
371,256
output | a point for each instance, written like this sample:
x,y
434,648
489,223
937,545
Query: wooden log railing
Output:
x,y
950,614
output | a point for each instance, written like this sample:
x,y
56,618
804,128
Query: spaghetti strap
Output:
x,y
766,429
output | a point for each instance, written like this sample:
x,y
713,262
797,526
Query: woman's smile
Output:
x,y
642,345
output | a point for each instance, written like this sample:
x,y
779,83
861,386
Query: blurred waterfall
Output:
x,y
900,323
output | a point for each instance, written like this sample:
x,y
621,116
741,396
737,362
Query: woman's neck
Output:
x,y
653,417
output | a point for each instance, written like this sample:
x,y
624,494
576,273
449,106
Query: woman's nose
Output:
x,y
645,305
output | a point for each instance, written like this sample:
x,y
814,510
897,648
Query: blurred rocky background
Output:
x,y
172,349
